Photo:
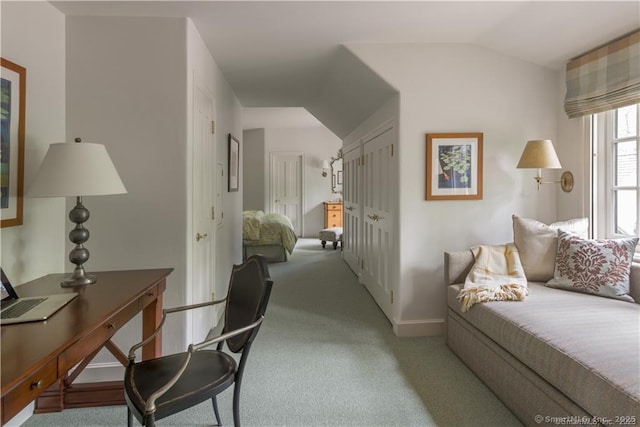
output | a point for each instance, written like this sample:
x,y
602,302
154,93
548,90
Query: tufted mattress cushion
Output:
x,y
587,346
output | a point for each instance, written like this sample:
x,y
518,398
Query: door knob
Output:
x,y
200,236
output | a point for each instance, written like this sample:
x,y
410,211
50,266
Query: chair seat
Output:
x,y
209,372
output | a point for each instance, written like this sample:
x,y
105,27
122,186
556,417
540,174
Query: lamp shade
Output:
x,y
539,154
76,169
325,164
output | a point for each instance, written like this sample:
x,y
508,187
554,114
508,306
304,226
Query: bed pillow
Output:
x,y
598,267
537,244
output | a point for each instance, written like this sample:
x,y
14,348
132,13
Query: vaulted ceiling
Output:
x,y
288,53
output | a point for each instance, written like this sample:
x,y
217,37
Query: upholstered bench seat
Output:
x,y
333,234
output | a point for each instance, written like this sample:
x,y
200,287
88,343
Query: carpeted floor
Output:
x,y
327,356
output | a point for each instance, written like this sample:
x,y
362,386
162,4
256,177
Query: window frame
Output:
x,y
604,165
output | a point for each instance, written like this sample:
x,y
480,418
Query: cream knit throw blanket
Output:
x,y
497,275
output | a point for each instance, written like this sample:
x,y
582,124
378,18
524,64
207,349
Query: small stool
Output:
x,y
333,234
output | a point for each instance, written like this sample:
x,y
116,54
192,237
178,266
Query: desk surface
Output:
x,y
28,346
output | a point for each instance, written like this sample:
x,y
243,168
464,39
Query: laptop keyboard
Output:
x,y
20,307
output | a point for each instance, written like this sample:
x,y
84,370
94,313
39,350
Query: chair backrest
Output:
x,y
249,292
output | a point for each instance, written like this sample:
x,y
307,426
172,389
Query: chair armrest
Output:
x,y
165,312
151,403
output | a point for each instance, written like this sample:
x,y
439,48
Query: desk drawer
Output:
x,y
97,338
31,388
150,296
333,206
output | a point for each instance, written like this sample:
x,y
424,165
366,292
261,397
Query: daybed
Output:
x,y
558,357
270,235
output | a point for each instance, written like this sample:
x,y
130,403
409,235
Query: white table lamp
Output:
x,y
76,170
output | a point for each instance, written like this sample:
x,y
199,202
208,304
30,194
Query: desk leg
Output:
x,y
151,318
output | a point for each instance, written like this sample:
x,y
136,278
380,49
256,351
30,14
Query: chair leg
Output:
x,y
214,401
129,418
150,420
236,404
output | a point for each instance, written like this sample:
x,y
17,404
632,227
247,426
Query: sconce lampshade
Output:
x,y
76,169
325,164
539,154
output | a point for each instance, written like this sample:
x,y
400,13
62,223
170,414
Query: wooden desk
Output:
x,y
37,357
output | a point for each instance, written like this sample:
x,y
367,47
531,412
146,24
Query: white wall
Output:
x,y
126,89
33,37
317,143
254,167
227,115
462,88
572,146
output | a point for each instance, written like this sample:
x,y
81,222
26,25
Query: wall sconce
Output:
x,y
540,154
325,168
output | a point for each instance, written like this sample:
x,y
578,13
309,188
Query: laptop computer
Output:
x,y
28,309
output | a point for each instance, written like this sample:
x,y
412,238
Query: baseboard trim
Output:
x,y
419,328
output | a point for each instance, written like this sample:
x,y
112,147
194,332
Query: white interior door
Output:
x,y
351,206
202,234
219,207
378,183
286,187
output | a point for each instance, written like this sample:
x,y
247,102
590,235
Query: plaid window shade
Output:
x,y
605,78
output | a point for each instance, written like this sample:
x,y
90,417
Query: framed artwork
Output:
x,y
13,85
454,166
234,163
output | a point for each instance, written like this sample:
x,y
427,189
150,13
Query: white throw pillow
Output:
x,y
538,243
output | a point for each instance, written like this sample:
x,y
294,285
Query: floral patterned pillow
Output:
x,y
598,267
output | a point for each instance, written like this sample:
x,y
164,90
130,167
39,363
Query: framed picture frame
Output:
x,y
234,164
13,86
454,166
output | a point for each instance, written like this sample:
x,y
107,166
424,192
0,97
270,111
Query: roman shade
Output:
x,y
605,78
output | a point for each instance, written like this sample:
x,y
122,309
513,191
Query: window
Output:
x,y
616,172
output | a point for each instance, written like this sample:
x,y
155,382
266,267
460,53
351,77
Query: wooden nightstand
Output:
x,y
332,214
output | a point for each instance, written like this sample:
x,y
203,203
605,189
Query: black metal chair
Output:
x,y
160,387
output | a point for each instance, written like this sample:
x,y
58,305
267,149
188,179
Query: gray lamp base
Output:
x,y
79,255
78,278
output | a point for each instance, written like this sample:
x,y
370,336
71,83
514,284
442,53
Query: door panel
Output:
x,y
202,238
352,207
286,187
377,218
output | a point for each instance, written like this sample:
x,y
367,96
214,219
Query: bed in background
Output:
x,y
270,235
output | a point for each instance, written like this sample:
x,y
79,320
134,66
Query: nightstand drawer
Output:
x,y
333,206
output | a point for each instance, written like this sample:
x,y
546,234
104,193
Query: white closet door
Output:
x,y
377,243
352,206
286,187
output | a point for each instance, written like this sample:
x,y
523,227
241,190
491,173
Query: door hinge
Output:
x,y
391,297
213,126
391,150
213,212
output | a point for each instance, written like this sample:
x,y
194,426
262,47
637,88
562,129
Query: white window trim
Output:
x,y
603,135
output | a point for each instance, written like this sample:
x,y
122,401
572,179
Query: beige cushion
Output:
x,y
537,243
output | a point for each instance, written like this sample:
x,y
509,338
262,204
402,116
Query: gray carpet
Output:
x,y
327,356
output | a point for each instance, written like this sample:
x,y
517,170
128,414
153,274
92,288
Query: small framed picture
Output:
x,y
234,163
454,166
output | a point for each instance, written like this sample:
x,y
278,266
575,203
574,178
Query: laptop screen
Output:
x,y
6,290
